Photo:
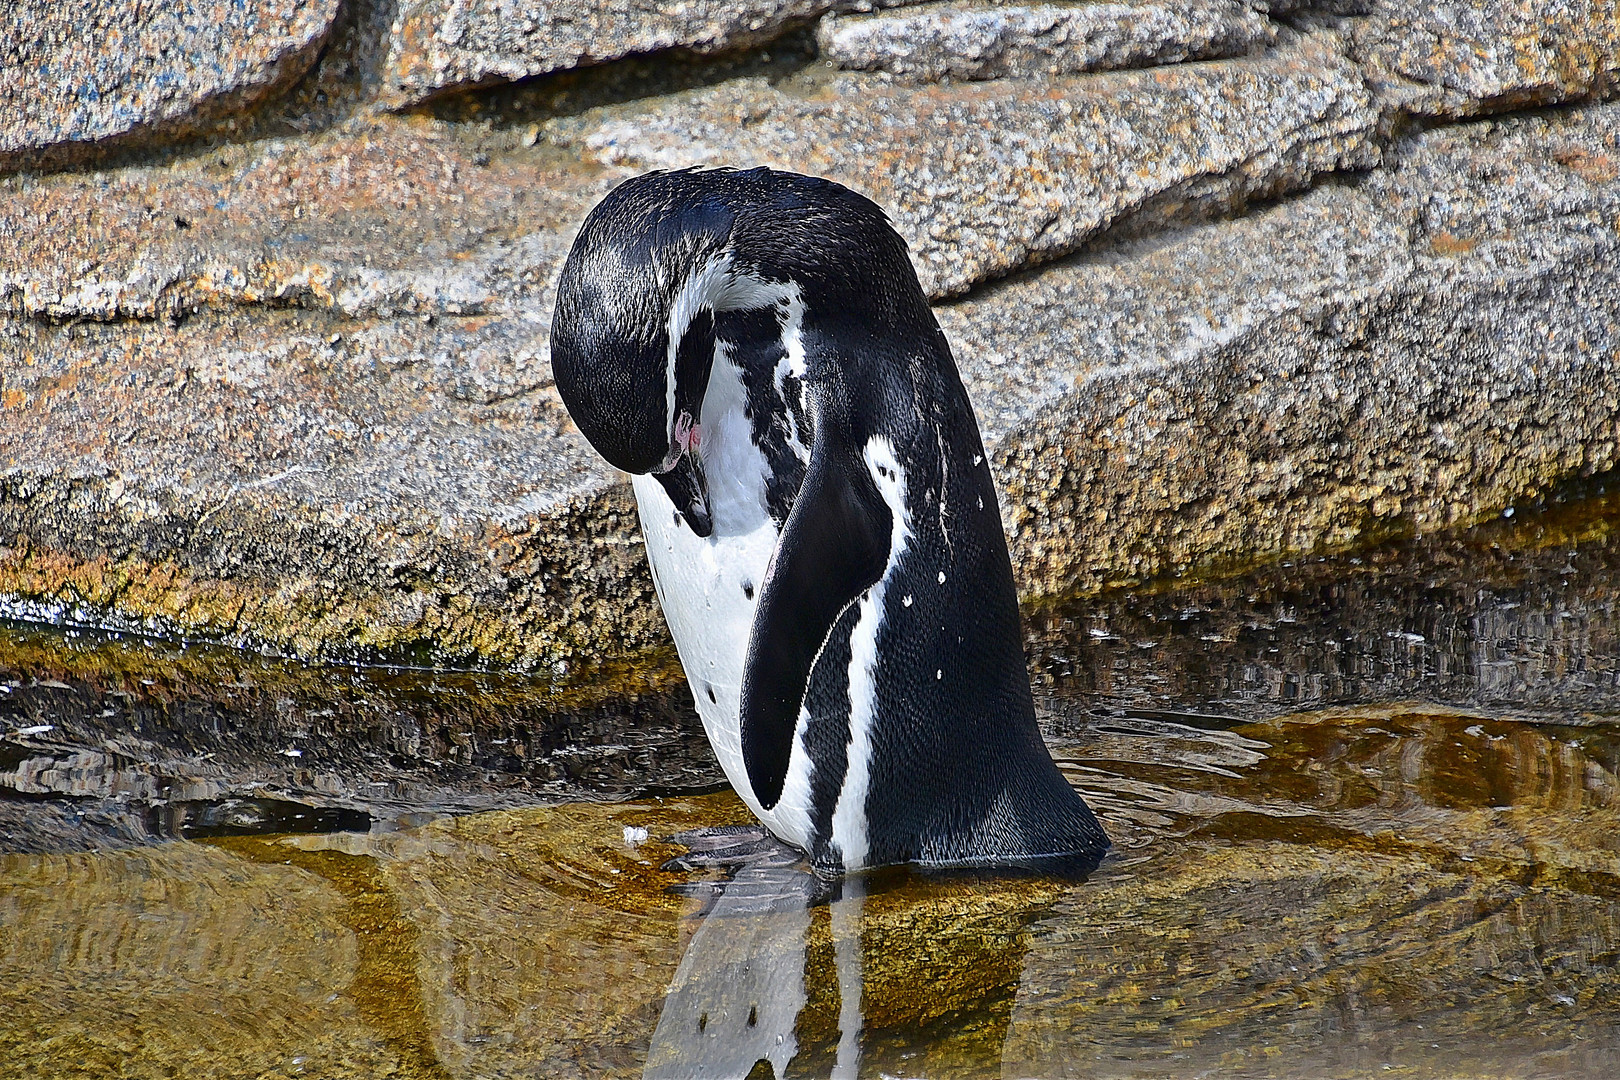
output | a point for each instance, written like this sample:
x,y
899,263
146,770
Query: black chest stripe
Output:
x,y
833,547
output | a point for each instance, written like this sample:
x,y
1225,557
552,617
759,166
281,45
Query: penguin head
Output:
x,y
633,338
663,255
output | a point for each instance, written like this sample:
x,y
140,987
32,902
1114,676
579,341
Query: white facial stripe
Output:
x,y
849,831
715,286
697,292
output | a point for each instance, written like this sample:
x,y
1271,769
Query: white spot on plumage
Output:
x,y
907,600
942,577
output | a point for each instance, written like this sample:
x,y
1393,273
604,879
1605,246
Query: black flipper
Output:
x,y
834,546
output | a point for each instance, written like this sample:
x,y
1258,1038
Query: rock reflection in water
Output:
x,y
1522,614
112,742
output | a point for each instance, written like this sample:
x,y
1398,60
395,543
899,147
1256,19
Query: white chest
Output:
x,y
709,589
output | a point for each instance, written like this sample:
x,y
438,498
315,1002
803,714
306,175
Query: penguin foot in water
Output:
x,y
761,873
731,847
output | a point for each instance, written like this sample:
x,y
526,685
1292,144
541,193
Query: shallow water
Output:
x,y
1365,813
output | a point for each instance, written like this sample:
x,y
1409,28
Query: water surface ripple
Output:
x,y
1365,812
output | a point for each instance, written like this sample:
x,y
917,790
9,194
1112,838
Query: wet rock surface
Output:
x,y
109,741
1515,618
283,381
985,41
83,74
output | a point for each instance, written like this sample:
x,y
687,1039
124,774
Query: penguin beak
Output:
x,y
689,491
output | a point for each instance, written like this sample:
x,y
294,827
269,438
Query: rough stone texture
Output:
x,y
284,487
447,44
1450,59
1421,347
1410,352
980,41
358,221
1460,58
83,74
322,439
259,496
983,178
289,387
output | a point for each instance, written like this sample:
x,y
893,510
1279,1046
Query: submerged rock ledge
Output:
x,y
293,392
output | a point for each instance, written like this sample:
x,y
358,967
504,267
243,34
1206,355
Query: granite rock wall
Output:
x,y
1228,280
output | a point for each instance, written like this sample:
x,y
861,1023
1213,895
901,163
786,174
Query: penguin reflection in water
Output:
x,y
755,349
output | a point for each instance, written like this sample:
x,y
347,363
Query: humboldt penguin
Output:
x,y
754,348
